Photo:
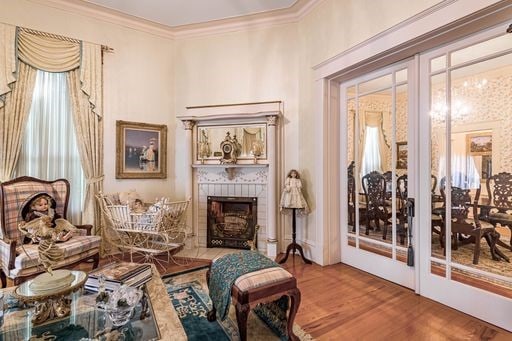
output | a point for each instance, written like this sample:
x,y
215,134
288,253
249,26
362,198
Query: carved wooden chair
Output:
x,y
499,206
374,187
470,230
20,262
401,188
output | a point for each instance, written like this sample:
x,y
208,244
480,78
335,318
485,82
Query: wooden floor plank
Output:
x,y
343,303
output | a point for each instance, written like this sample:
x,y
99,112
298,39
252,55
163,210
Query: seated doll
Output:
x,y
40,210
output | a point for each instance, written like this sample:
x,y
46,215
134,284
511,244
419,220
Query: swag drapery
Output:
x,y
24,51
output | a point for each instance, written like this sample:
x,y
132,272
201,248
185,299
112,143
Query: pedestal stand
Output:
x,y
294,246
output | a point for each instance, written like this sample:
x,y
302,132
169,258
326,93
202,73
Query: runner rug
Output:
x,y
189,295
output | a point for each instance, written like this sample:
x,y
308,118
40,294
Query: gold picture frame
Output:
x,y
141,150
479,143
401,155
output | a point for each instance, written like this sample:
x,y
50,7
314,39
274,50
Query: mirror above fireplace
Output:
x,y
250,138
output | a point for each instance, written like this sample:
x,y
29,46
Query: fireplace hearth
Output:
x,y
231,221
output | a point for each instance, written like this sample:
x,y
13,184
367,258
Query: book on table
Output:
x,y
119,273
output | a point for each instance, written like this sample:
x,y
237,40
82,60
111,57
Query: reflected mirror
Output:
x,y
250,140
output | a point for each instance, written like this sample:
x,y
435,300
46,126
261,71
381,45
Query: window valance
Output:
x,y
47,53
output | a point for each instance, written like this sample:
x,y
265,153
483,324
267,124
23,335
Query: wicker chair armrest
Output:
x,y
86,227
7,253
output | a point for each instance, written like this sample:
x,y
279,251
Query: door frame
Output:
x,y
382,266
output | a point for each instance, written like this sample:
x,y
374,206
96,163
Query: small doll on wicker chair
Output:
x,y
39,211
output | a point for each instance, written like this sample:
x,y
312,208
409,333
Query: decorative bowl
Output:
x,y
121,303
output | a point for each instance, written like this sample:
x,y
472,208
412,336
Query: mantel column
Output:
x,y
272,190
188,125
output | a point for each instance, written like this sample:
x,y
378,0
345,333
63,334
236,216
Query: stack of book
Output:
x,y
119,273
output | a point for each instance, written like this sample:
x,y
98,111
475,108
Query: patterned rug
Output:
x,y
189,295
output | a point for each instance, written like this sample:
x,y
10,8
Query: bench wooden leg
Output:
x,y
3,278
242,312
212,315
294,306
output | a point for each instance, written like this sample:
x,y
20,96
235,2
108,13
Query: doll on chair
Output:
x,y
40,210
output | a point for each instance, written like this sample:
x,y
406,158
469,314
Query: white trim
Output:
x,y
282,16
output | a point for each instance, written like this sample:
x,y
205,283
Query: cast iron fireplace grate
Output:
x,y
231,221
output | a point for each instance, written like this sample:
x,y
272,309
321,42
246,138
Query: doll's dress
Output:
x,y
292,195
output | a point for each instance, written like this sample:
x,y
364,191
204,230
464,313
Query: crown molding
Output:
x,y
258,20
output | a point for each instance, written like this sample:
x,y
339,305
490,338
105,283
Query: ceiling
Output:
x,y
184,12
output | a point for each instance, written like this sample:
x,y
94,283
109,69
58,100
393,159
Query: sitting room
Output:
x,y
255,170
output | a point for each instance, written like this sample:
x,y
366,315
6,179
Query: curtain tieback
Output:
x,y
95,179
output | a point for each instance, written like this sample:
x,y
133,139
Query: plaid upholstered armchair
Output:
x,y
19,261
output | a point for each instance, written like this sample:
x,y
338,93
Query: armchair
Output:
x,y
19,262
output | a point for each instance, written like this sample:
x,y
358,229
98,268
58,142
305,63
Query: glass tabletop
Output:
x,y
86,322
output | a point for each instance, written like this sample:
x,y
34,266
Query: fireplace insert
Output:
x,y
231,221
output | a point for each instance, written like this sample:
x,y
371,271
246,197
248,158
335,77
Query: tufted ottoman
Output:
x,y
260,286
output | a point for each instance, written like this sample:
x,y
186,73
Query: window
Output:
x,y
371,155
49,148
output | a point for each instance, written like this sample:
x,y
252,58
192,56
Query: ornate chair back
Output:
x,y
499,190
374,187
15,193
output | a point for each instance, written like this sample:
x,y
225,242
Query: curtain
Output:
x,y
371,157
49,149
250,136
82,62
48,53
373,119
13,117
7,59
87,104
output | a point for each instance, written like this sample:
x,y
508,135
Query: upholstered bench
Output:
x,y
264,286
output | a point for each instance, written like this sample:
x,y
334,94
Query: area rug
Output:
x,y
189,295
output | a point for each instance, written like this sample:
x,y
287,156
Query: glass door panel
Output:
x,y
465,92
377,127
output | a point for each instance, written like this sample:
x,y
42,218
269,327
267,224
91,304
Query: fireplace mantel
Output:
x,y
235,176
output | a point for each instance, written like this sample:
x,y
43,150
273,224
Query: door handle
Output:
x,y
410,215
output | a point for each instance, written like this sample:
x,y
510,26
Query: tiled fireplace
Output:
x,y
247,180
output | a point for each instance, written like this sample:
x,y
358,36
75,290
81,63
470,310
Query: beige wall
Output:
x,y
138,80
153,79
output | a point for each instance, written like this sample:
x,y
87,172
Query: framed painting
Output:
x,y
401,155
479,143
141,150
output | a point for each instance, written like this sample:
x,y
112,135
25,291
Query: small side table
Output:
x,y
293,245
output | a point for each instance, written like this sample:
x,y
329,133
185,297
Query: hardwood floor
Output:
x,y
343,303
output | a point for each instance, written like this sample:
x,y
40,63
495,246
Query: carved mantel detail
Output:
x,y
188,124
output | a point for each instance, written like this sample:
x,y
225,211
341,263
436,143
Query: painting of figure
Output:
x,y
141,150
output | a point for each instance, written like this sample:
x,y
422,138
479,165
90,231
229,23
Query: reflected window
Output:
x,y
371,155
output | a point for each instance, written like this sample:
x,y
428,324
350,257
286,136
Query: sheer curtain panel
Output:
x,y
49,148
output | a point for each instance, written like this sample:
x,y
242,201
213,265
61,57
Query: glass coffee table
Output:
x,y
88,322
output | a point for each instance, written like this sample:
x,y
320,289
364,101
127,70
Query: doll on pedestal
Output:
x,y
293,199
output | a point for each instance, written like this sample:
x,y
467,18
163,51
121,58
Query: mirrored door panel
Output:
x,y
471,164
377,163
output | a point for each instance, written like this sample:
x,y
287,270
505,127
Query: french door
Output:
x,y
465,143
378,143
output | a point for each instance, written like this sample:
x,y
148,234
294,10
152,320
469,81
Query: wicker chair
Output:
x,y
20,262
